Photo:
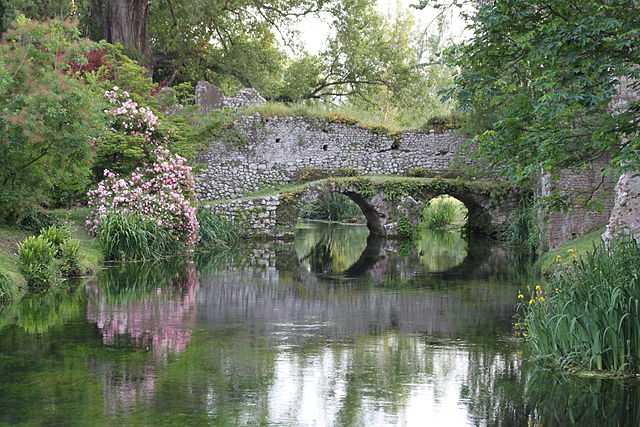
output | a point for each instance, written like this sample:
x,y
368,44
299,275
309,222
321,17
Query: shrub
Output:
x,y
68,254
216,231
56,235
588,316
443,212
35,220
132,236
160,192
36,261
48,117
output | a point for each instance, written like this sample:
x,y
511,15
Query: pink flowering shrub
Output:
x,y
133,133
130,118
161,191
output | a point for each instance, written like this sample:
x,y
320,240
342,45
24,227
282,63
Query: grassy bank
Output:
x,y
90,254
569,251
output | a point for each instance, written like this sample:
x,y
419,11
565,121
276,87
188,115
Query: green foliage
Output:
x,y
69,258
538,78
132,237
8,289
216,231
444,212
36,219
523,231
420,172
56,235
36,261
47,117
588,316
333,207
406,229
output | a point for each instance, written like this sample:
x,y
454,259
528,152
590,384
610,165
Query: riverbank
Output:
x,y
10,237
569,251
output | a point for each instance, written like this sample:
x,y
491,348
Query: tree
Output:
x,y
47,117
539,77
120,21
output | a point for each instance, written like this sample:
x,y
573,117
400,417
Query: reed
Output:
x,y
588,316
216,231
131,237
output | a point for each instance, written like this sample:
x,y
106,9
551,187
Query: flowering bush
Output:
x,y
160,190
129,117
132,135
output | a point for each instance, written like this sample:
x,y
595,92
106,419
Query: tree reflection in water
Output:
x,y
266,341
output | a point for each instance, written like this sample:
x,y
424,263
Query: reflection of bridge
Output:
x,y
386,202
377,259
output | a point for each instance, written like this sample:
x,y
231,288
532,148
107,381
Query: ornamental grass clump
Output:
x,y
588,317
216,231
36,261
136,237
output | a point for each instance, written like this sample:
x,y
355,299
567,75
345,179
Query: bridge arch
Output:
x,y
388,203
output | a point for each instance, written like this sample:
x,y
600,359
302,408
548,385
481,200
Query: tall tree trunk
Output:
x,y
122,21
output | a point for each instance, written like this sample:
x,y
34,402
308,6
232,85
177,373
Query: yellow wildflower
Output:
x,y
520,296
541,299
532,301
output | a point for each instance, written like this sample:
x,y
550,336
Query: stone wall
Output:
x,y
275,151
587,196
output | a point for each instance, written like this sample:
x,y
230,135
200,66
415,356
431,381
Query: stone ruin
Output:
x,y
210,98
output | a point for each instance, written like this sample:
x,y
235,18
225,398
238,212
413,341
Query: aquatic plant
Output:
x,y
588,316
216,231
36,261
69,260
136,237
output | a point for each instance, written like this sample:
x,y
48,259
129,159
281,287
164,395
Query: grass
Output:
x,y
348,115
587,318
564,255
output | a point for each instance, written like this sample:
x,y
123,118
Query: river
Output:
x,y
333,329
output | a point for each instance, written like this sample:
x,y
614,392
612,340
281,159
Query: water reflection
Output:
x,y
284,334
132,307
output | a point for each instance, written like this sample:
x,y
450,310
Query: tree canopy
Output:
x,y
539,77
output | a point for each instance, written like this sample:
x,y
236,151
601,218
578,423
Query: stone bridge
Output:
x,y
391,205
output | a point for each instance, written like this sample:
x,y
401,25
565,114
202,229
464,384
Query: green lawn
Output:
x,y
569,250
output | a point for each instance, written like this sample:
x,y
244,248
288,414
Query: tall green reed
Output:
x,y
588,316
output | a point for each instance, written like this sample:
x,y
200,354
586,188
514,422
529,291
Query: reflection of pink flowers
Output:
x,y
161,321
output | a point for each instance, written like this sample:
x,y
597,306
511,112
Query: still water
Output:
x,y
333,329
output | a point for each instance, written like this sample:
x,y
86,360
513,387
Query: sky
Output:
x,y
314,30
